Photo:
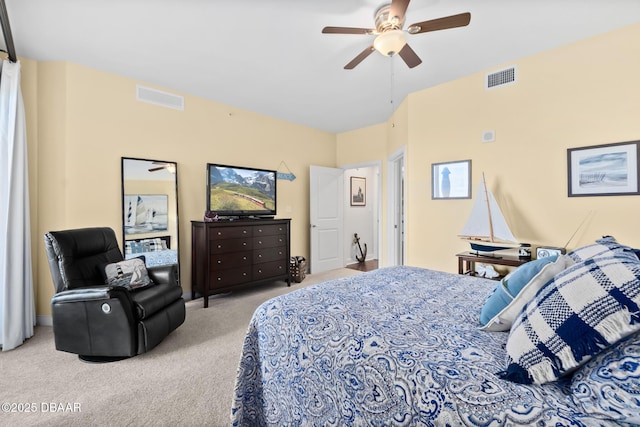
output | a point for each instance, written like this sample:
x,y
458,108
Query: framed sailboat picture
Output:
x,y
604,170
451,180
145,213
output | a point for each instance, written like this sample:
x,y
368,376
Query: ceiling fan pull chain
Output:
x,y
391,90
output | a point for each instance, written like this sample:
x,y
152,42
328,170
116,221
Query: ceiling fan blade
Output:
x,y
398,8
452,21
347,30
409,56
157,169
358,59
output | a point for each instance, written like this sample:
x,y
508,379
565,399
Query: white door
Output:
x,y
325,206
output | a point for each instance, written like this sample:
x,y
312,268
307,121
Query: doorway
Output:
x,y
335,218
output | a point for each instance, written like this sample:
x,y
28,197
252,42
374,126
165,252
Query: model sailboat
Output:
x,y
486,229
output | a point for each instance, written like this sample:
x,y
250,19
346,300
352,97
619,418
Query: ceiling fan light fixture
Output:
x,y
390,42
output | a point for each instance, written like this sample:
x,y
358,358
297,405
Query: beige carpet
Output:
x,y
186,381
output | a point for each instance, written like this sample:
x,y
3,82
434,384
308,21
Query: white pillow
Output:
x,y
503,320
131,274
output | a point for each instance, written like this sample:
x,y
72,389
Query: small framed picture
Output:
x,y
451,180
358,191
604,170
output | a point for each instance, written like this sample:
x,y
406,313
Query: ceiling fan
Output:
x,y
170,167
389,20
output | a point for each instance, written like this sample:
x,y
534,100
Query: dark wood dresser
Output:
x,y
227,255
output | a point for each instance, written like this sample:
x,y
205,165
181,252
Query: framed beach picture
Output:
x,y
358,191
604,170
451,180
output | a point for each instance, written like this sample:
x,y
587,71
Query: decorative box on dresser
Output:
x,y
227,255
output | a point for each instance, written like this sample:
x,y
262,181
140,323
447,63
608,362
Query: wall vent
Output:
x,y
503,77
158,97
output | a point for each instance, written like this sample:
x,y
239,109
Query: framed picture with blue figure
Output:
x,y
451,180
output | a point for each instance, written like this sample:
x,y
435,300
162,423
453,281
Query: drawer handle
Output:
x,y
219,233
259,271
219,261
219,278
219,246
260,256
244,274
280,253
244,231
259,242
244,258
280,240
244,243
259,230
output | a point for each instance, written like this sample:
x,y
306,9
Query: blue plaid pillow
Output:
x,y
606,246
583,310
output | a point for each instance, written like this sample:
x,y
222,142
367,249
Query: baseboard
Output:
x,y
44,320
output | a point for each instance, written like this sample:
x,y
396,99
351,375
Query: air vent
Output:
x,y
158,97
503,77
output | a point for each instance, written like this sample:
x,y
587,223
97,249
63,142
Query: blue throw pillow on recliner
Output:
x,y
510,286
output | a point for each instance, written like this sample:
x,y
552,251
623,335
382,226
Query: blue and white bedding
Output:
x,y
156,258
394,347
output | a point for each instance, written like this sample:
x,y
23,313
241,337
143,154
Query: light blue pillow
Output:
x,y
507,289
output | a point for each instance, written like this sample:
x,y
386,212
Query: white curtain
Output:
x,y
17,311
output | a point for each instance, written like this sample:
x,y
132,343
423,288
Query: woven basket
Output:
x,y
298,269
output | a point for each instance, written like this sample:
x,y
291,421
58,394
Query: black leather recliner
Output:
x,y
100,322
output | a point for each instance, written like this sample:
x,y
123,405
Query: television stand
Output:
x,y
228,255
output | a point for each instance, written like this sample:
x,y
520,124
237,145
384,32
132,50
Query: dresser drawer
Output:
x,y
269,230
269,254
228,277
230,245
231,259
269,269
230,233
269,241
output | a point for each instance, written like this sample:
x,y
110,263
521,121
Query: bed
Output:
x,y
402,346
156,250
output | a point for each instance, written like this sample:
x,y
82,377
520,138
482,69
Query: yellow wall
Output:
x,y
88,119
583,94
579,95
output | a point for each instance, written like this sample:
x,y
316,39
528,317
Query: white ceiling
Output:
x,y
269,56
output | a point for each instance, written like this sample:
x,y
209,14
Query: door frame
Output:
x,y
396,200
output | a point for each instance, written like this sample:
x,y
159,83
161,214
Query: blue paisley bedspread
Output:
x,y
397,346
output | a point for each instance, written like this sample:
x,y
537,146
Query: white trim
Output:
x,y
392,185
44,320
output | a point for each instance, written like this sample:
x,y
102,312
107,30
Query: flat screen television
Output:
x,y
240,191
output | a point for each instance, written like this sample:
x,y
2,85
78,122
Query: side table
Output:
x,y
467,261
